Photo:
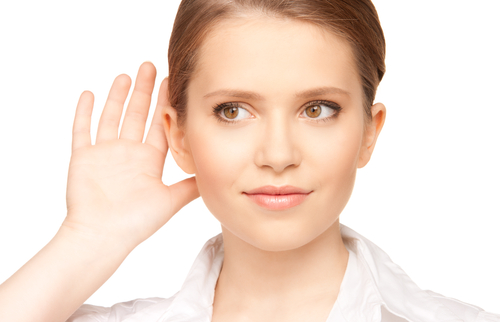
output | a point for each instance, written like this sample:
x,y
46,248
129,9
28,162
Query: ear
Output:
x,y
372,131
177,141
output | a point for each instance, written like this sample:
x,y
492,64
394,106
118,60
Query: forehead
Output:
x,y
272,56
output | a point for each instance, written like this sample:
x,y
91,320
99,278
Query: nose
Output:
x,y
278,146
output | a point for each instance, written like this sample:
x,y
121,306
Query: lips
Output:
x,y
272,190
278,198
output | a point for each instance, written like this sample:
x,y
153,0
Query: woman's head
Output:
x,y
271,101
355,21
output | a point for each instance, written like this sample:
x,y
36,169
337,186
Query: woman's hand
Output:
x,y
115,199
115,187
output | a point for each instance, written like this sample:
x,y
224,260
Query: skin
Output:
x,y
115,198
279,265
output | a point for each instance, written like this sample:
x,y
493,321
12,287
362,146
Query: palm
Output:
x,y
115,186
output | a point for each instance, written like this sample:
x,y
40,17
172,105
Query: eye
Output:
x,y
230,112
321,110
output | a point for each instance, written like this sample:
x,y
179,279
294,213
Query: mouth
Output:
x,y
278,198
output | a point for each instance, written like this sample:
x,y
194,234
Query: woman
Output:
x,y
257,123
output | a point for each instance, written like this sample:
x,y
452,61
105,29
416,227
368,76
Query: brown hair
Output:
x,y
354,20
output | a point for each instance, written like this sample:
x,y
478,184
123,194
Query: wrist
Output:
x,y
89,239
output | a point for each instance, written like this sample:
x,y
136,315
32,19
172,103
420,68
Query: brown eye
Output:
x,y
231,112
321,111
313,111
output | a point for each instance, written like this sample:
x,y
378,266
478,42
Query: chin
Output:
x,y
277,239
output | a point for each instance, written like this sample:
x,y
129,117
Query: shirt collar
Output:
x,y
396,293
193,303
373,286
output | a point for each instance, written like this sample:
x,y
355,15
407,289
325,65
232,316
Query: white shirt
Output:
x,y
373,289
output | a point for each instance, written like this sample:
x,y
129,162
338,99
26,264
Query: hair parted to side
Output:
x,y
354,20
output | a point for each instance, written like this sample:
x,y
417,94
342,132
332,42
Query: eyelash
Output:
x,y
334,106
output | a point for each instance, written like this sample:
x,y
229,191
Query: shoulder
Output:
x,y
396,291
135,310
465,311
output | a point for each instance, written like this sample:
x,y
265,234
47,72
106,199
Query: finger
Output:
x,y
81,125
112,112
136,115
156,134
182,193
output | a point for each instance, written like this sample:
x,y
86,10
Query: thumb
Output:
x,y
182,193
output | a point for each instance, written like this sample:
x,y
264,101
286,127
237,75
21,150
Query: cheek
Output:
x,y
341,155
331,160
220,157
334,151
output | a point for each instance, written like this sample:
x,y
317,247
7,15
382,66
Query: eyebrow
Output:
x,y
254,96
236,93
322,91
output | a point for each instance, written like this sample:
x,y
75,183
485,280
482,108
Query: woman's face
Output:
x,y
288,112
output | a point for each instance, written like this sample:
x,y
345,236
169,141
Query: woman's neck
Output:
x,y
307,276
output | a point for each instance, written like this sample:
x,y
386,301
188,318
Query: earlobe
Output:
x,y
177,142
371,134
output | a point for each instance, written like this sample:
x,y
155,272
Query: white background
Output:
x,y
429,197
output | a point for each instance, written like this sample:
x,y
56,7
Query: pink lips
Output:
x,y
278,198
